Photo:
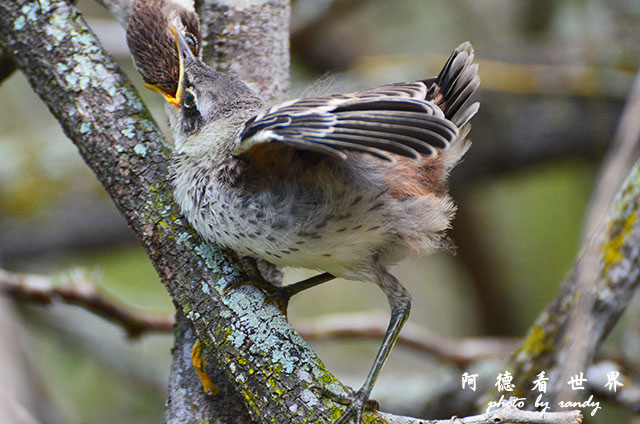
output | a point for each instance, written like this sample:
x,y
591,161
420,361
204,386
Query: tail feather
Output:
x,y
457,81
464,116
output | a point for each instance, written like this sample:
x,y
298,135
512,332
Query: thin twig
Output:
x,y
82,292
461,351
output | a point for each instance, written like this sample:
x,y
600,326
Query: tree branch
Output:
x,y
504,415
564,339
248,40
269,364
623,153
119,9
82,292
187,402
460,352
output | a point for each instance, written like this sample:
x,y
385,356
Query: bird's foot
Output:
x,y
279,296
356,404
199,365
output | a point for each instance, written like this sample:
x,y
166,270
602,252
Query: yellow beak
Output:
x,y
168,97
181,45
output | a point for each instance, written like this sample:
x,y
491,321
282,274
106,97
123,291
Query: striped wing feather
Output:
x,y
374,123
411,119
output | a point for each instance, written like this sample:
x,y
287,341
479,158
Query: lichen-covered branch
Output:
x,y
623,153
271,366
187,402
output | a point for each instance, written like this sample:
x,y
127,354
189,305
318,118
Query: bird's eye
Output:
x,y
191,41
189,99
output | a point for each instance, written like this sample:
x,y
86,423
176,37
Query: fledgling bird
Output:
x,y
348,184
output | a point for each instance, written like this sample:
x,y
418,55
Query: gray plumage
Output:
x,y
333,182
347,184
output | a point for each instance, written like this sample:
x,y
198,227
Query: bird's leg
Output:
x,y
400,302
295,288
281,295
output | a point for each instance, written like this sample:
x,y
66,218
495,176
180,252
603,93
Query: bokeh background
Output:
x,y
555,76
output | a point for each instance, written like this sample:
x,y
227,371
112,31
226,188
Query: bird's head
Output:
x,y
205,107
208,106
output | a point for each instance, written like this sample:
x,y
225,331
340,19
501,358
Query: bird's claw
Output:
x,y
356,404
279,296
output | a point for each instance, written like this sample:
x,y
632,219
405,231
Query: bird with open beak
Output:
x,y
347,184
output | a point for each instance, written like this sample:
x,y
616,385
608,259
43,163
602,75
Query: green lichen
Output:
x,y
327,379
19,23
129,133
535,344
140,149
29,12
612,251
85,128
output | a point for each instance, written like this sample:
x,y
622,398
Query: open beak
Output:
x,y
183,50
168,97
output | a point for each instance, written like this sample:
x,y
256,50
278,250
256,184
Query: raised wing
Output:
x,y
411,119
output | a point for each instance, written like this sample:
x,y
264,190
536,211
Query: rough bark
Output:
x,y
270,366
623,153
7,65
187,402
250,39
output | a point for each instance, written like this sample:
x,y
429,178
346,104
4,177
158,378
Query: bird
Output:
x,y
346,184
